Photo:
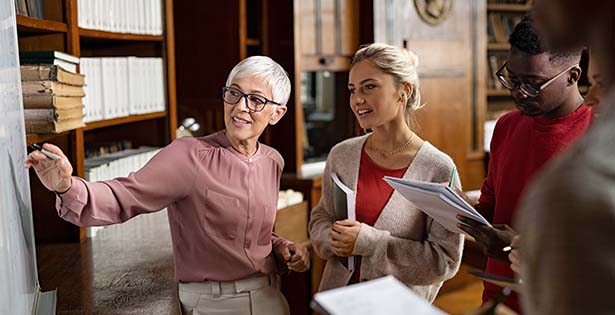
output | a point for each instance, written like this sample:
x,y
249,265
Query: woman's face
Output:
x,y
243,124
375,99
596,92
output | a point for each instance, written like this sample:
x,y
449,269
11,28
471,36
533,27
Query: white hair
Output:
x,y
267,69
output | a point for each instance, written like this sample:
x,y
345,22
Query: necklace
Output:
x,y
388,154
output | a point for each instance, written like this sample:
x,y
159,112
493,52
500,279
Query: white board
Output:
x,y
18,276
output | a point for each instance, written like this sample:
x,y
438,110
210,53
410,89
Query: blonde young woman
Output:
x,y
390,235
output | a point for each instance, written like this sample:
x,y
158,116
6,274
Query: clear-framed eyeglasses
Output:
x,y
254,102
528,89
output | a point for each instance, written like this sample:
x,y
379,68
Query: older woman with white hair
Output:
x,y
221,193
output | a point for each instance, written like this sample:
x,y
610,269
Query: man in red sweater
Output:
x,y
550,115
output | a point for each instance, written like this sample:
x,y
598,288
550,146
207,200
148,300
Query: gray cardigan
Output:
x,y
404,242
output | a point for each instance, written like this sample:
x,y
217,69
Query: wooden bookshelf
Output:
x,y
104,35
508,7
40,138
122,120
61,32
27,24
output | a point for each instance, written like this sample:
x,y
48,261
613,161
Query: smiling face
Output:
x,y
242,124
375,98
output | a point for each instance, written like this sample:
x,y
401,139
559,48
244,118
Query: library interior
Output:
x,y
380,158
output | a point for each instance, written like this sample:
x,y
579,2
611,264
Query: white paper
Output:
x,y
384,295
437,201
343,194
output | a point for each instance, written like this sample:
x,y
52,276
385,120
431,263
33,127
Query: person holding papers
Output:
x,y
550,116
221,192
389,236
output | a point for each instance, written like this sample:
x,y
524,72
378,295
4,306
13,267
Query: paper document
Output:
x,y
384,295
437,201
344,204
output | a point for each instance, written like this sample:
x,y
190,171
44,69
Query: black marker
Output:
x,y
48,154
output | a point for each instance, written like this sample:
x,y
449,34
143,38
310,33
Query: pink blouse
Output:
x,y
221,205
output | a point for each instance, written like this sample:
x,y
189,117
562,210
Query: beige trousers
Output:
x,y
257,295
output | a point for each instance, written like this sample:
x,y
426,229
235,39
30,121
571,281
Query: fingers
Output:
x,y
515,260
285,253
470,230
300,261
469,221
504,310
516,241
54,149
346,223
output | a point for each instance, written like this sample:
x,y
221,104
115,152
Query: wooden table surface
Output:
x,y
125,269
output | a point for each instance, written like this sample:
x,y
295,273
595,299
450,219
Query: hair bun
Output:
x,y
412,57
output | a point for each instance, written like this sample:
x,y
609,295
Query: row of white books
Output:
x,y
122,86
121,16
118,164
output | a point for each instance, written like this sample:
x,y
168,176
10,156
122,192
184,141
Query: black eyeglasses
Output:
x,y
254,102
528,89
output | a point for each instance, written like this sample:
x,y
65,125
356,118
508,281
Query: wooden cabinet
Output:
x,y
328,33
452,76
60,31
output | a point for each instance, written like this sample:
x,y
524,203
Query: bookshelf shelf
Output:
x,y
40,138
31,25
95,34
507,7
498,92
498,46
123,120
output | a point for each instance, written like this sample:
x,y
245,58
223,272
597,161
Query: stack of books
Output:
x,y
52,95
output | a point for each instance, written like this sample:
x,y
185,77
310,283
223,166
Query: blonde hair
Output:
x,y
397,62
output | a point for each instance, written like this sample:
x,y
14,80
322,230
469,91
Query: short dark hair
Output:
x,y
526,38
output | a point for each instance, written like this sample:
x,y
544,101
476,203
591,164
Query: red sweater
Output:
x,y
373,193
520,147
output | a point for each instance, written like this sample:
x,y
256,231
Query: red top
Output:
x,y
520,146
372,195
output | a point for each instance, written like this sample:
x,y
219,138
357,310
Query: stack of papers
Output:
x,y
437,201
384,295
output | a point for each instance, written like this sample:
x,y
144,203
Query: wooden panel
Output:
x,y
53,10
122,120
96,34
307,25
204,58
42,42
27,24
286,137
291,222
349,22
142,133
452,118
320,63
170,71
329,34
